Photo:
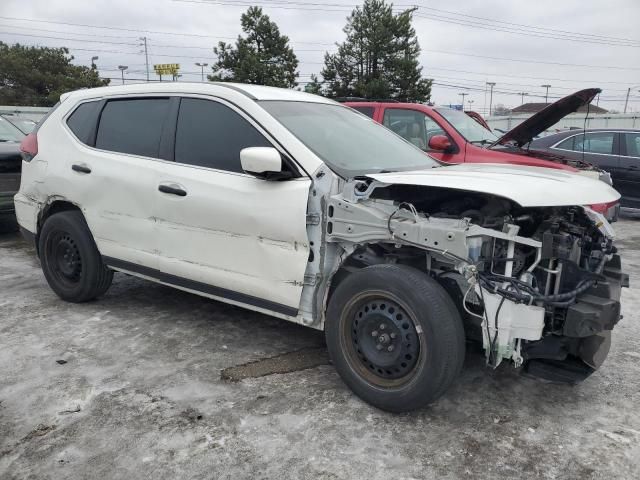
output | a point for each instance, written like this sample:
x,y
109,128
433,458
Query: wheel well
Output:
x,y
52,208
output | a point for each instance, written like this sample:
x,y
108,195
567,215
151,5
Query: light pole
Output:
x,y
122,68
546,95
202,65
491,85
463,95
523,94
93,62
626,101
469,102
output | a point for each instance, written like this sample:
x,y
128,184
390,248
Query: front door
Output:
x,y
224,232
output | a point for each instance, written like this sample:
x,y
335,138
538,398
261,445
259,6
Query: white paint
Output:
x,y
525,185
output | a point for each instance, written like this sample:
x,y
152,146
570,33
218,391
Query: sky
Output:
x,y
519,45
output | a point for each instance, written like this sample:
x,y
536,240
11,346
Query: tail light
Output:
x,y
29,147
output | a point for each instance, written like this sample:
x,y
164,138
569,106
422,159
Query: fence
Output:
x,y
607,120
33,113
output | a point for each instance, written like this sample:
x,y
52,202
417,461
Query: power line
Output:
x,y
137,30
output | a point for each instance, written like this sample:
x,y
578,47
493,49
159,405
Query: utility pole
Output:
x,y
146,54
122,68
626,101
546,95
463,95
491,85
523,94
202,65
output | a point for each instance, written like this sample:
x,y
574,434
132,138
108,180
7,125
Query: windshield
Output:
x,y
350,143
466,126
9,133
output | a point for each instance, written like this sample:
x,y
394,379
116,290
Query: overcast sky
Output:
x,y
453,54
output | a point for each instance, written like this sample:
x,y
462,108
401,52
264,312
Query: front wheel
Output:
x,y
395,336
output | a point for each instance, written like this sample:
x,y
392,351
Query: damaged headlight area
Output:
x,y
538,286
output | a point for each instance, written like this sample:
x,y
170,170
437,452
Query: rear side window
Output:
x,y
368,111
596,142
632,141
133,126
210,134
82,121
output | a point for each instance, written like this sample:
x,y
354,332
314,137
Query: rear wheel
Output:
x,y
395,336
70,259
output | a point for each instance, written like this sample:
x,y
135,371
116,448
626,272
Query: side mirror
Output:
x,y
263,162
441,143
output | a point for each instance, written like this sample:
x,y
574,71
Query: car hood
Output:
x,y
547,117
527,186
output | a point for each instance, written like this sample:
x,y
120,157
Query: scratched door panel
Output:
x,y
234,231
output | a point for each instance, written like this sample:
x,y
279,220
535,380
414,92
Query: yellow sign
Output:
x,y
167,68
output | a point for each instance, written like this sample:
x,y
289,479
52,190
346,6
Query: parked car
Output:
x,y
299,207
25,125
10,162
453,136
615,150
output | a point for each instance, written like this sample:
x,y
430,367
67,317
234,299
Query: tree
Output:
x,y
37,76
379,58
314,86
262,57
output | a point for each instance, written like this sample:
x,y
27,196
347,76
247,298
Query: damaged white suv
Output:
x,y
298,207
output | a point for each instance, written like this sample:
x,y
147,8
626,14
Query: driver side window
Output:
x,y
415,127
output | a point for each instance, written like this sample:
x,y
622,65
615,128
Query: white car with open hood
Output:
x,y
298,207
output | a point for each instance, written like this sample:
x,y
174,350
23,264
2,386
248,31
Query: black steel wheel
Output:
x,y
384,338
395,336
70,259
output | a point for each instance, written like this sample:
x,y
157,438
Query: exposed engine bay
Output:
x,y
537,286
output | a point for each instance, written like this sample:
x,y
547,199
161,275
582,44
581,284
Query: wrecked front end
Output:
x,y
537,286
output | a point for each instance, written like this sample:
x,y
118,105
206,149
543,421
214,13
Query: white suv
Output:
x,y
298,207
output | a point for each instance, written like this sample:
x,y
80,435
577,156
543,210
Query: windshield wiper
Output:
x,y
480,142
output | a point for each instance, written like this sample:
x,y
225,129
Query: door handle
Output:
x,y
172,190
80,168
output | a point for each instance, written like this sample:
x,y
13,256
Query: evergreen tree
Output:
x,y
262,57
379,58
37,76
314,86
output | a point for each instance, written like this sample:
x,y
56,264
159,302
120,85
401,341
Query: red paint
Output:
x,y
462,151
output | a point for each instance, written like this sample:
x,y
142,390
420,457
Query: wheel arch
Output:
x,y
52,206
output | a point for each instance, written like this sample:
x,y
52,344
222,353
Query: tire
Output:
x,y
70,259
414,320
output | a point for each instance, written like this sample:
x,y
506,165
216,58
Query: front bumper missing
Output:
x,y
579,348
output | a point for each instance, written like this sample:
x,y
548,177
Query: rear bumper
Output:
x,y
26,212
580,344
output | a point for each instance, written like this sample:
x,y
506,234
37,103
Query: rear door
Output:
x,y
112,174
628,181
224,232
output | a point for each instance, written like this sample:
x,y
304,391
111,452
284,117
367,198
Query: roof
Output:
x,y
256,92
535,107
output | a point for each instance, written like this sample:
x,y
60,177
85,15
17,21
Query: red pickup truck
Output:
x,y
451,136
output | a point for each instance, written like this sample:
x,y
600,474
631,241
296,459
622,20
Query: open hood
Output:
x,y
527,186
547,117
